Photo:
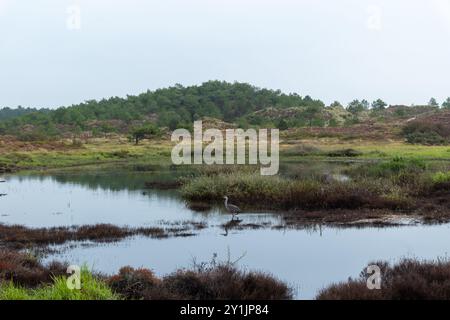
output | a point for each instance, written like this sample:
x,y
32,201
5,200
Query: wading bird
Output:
x,y
231,208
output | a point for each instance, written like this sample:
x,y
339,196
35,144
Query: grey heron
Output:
x,y
231,208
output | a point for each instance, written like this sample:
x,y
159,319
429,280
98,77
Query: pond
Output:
x,y
308,259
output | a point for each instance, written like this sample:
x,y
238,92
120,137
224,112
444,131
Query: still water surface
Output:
x,y
307,259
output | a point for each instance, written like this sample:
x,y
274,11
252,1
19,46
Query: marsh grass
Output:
x,y
390,168
274,192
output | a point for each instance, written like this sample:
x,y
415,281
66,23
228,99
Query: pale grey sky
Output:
x,y
398,50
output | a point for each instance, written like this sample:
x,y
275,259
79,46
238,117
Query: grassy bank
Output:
x,y
362,149
96,152
17,155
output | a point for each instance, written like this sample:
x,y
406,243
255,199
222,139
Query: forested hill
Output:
x,y
172,107
239,103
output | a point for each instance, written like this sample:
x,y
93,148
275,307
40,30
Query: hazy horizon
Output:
x,y
331,50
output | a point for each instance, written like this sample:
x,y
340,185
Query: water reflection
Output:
x,y
118,198
305,259
308,258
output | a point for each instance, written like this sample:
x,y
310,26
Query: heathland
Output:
x,y
366,163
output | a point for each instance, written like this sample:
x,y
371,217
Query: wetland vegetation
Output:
x,y
76,181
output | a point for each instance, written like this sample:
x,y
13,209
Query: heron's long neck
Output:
x,y
226,202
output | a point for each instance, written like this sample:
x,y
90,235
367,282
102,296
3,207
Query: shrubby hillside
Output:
x,y
235,104
172,107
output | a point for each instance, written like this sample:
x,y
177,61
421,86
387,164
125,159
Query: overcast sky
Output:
x,y
398,50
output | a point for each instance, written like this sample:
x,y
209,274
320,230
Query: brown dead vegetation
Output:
x,y
25,270
218,282
12,144
408,280
17,236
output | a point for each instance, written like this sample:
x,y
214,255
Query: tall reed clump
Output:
x,y
408,280
247,188
274,192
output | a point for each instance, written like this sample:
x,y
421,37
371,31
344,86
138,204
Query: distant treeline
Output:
x,y
172,107
9,113
178,106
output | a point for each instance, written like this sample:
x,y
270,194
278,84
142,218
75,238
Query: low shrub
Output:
x,y
26,271
302,150
225,282
427,133
222,281
344,153
426,138
136,284
121,154
408,280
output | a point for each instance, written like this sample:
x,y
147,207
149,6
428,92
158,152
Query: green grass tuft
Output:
x,y
91,289
441,177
